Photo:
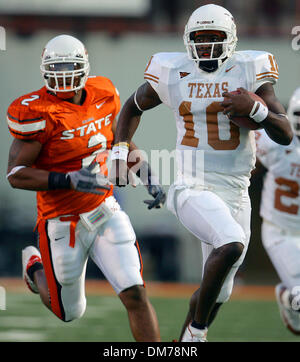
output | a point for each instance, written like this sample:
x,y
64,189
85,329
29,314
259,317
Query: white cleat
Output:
x,y
192,334
30,256
289,316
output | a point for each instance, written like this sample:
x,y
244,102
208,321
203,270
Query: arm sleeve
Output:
x,y
266,70
26,124
157,74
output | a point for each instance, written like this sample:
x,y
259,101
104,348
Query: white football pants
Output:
x,y
283,249
112,247
216,218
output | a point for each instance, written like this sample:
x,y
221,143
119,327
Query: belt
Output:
x,y
74,220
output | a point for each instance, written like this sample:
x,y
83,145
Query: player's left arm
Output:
x,y
274,119
276,123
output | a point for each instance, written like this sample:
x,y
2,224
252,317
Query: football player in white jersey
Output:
x,y
280,211
211,199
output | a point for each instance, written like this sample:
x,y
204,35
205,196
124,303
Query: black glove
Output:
x,y
85,180
159,197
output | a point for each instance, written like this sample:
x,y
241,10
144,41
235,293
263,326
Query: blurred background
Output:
x,y
120,37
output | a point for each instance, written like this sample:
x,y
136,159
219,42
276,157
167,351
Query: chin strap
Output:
x,y
209,65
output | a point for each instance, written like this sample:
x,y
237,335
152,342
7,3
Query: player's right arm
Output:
x,y
20,173
143,99
146,97
27,124
30,131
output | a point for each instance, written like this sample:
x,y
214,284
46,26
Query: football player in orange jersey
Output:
x,y
61,136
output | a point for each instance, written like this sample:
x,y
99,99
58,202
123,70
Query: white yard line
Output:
x,y
21,322
21,335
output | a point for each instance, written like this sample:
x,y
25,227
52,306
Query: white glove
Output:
x,y
85,180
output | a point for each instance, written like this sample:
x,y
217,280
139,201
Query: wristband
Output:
x,y
120,152
261,114
58,180
125,144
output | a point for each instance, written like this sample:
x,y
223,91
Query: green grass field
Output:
x,y
105,320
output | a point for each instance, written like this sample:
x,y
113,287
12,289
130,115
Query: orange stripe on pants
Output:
x,y
53,286
74,220
141,260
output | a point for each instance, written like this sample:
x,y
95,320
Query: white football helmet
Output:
x,y
65,66
211,17
293,112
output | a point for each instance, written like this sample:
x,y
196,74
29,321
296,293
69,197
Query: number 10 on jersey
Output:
x,y
212,123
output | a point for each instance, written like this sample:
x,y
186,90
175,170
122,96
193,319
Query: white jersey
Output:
x,y
207,142
280,196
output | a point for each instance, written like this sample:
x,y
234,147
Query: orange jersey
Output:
x,y
72,136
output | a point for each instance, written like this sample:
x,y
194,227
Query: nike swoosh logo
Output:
x,y
100,105
227,70
59,238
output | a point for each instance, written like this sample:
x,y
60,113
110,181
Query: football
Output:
x,y
244,121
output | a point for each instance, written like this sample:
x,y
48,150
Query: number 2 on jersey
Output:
x,y
94,141
32,98
213,132
291,191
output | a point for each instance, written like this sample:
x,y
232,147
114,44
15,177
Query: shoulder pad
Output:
x,y
102,85
25,115
265,65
